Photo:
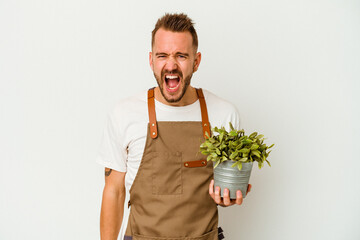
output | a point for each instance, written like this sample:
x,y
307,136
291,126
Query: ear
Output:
x,y
197,61
150,61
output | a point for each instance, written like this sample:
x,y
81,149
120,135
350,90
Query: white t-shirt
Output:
x,y
124,136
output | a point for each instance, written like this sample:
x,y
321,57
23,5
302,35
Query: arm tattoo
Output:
x,y
107,172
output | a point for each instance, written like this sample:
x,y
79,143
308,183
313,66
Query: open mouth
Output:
x,y
172,82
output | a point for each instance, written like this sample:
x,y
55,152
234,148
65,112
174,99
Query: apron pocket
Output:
x,y
166,173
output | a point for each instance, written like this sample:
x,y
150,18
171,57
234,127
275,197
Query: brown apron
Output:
x,y
169,197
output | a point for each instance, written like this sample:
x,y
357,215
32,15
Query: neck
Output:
x,y
189,97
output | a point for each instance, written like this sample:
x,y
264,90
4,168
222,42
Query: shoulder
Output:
x,y
130,105
129,110
221,111
216,103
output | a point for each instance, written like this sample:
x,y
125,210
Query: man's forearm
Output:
x,y
112,210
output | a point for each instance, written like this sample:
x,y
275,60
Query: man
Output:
x,y
153,139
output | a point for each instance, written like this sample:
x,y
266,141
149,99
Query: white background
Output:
x,y
292,68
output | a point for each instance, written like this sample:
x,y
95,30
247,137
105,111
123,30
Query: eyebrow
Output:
x,y
157,54
178,53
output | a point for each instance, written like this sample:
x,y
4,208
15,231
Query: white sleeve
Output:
x,y
221,112
234,118
112,153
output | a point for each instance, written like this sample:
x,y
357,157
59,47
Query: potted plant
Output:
x,y
233,154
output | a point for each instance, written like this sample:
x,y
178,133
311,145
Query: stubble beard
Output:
x,y
160,81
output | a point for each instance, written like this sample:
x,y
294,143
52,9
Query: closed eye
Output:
x,y
182,55
161,55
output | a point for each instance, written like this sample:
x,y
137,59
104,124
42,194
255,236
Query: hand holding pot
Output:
x,y
226,201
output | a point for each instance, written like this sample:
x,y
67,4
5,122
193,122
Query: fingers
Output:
x,y
217,195
226,201
226,198
248,189
239,197
211,189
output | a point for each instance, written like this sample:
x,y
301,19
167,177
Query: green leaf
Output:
x,y
241,132
217,145
221,137
233,133
218,152
244,150
256,153
254,147
239,166
224,153
254,134
268,163
233,155
260,136
223,145
267,154
271,145
262,147
217,163
236,163
247,141
205,152
245,159
207,134
239,146
231,126
208,144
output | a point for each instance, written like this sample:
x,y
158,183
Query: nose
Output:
x,y
171,64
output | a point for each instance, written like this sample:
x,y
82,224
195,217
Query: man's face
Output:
x,y
173,60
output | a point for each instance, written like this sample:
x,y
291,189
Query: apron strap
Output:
x,y
204,113
152,114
